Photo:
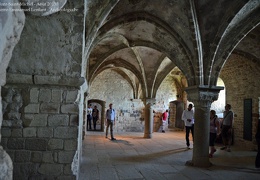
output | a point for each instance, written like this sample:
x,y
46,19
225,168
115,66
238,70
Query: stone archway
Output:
x,y
102,109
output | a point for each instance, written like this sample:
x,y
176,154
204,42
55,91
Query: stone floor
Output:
x,y
162,157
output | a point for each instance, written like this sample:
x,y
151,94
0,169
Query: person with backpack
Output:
x,y
111,119
95,116
214,131
164,120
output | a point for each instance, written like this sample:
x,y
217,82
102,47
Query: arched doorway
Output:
x,y
101,107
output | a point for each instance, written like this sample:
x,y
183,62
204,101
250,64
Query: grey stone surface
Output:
x,y
74,120
29,132
50,169
58,120
17,133
16,143
59,80
34,95
39,120
56,96
66,132
66,178
69,108
45,95
45,132
47,157
70,145
67,169
36,156
6,170
6,132
50,108
22,156
36,144
32,108
54,144
71,96
65,156
19,78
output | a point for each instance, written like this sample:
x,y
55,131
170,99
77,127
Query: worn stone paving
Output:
x,y
162,157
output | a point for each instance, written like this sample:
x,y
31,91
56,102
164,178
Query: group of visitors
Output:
x,y
215,130
218,128
92,115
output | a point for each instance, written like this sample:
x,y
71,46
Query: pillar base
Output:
x,y
148,136
204,163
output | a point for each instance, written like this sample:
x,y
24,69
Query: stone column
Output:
x,y
259,107
148,128
202,97
11,26
103,117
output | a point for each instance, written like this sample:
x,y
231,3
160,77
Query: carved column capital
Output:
x,y
203,95
149,101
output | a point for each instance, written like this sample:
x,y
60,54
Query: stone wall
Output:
x,y
239,76
41,104
113,88
51,45
40,130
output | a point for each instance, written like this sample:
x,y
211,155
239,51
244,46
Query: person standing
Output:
x,y
214,131
188,118
164,120
110,120
227,126
95,116
89,116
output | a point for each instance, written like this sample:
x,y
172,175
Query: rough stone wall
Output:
x,y
40,102
40,130
112,88
239,76
51,45
11,26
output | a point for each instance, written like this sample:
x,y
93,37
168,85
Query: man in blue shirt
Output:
x,y
111,118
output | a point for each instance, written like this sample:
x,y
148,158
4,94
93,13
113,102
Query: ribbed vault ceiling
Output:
x,y
145,40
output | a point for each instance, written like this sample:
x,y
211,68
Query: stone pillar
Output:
x,y
202,97
259,108
148,129
103,117
11,26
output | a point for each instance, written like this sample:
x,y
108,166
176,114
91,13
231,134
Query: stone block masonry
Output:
x,y
45,142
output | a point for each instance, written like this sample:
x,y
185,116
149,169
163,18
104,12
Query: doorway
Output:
x,y
100,106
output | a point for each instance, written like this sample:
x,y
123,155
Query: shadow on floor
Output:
x,y
151,156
